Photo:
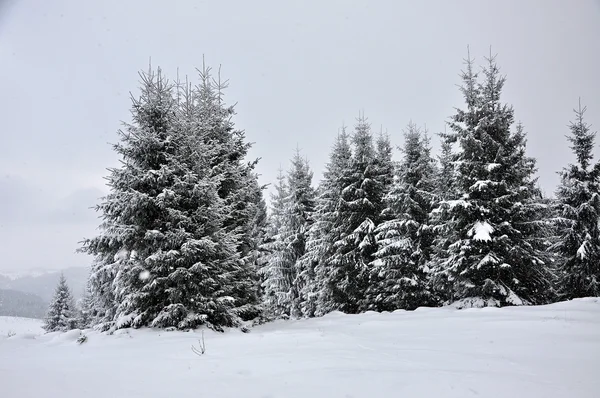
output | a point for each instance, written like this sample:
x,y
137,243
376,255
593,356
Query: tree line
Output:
x,y
186,238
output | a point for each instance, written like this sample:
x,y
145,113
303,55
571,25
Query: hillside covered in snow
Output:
x,y
543,351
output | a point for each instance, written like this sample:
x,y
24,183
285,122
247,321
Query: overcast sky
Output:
x,y
297,69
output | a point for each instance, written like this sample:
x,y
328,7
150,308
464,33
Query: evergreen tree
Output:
x,y
359,211
399,272
276,283
324,231
440,218
61,314
384,164
131,209
238,184
177,259
86,315
300,206
496,255
578,212
292,214
445,181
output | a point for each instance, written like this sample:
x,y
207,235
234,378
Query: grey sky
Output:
x,y
297,70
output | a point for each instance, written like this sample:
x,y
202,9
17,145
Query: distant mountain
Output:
x,y
26,305
43,285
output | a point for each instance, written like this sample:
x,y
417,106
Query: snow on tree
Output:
x,y
86,314
384,165
168,254
495,256
300,206
445,178
399,273
238,185
131,208
359,212
276,282
293,205
323,232
61,314
578,212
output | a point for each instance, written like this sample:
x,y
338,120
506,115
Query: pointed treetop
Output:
x,y
581,138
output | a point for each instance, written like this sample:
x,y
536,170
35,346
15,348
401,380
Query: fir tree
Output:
x,y
440,218
61,314
300,206
276,283
86,315
360,208
131,207
495,257
177,259
238,184
324,231
445,181
399,272
384,165
578,208
293,205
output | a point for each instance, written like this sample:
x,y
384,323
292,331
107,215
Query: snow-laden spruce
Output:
x,y
299,217
361,204
293,205
276,284
61,314
578,212
491,230
175,244
323,232
399,273
86,311
446,171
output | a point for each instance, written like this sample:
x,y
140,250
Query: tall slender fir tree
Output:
x,y
578,212
359,212
399,274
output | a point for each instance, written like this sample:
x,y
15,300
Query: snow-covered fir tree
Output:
x,y
86,313
360,208
300,206
131,208
384,165
284,269
168,253
445,176
445,189
496,254
578,212
276,283
61,314
399,273
238,185
315,263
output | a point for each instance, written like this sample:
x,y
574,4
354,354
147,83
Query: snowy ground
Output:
x,y
547,351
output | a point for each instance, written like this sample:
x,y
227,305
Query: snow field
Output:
x,y
544,351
